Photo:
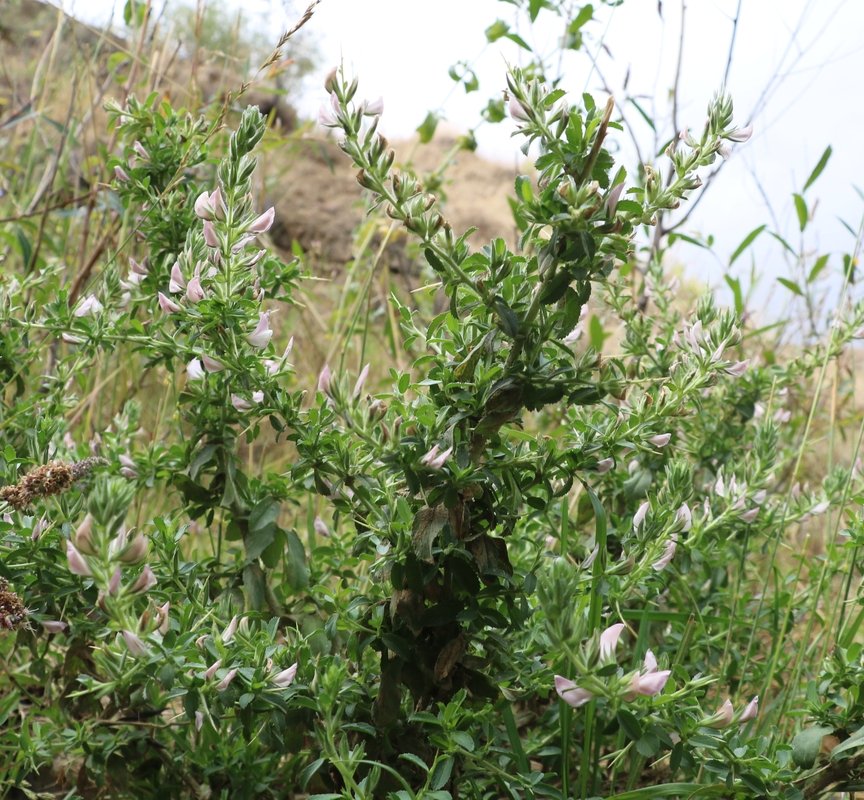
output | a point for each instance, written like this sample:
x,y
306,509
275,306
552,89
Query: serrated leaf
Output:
x,y
416,761
441,774
817,170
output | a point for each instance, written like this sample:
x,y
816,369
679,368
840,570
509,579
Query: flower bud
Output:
x,y
162,620
361,380
53,626
194,291
212,669
324,380
177,283
723,717
641,513
660,440
285,678
750,710
230,630
84,537
212,364
570,693
264,222
225,682
114,583
134,552
167,304
210,237
684,517
262,334
120,174
134,644
77,563
194,370
144,582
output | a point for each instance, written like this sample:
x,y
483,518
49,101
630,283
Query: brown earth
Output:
x,y
57,74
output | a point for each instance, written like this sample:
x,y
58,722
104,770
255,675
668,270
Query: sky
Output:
x,y
794,74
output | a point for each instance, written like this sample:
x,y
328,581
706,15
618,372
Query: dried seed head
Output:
x,y
12,610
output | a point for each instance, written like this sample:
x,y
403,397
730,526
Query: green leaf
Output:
x,y
817,170
642,113
426,129
747,241
416,761
496,30
586,13
820,264
524,190
735,285
800,210
855,741
441,774
596,334
464,740
296,570
807,744
791,286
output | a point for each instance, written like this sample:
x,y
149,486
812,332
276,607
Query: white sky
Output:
x,y
809,54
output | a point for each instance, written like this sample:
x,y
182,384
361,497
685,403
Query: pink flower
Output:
x,y
320,527
684,517
749,516
285,678
203,207
612,199
120,174
741,134
88,307
820,508
517,110
737,369
609,641
212,364
641,513
114,583
54,626
649,681
225,682
144,582
194,291
210,237
77,563
134,644
361,380
194,370
435,459
604,465
750,710
162,617
84,536
373,108
134,552
257,397
724,715
660,440
140,149
239,403
177,283
668,554
231,629
167,304
212,669
328,113
262,224
324,380
570,693
262,334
